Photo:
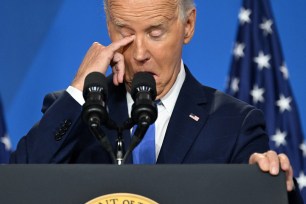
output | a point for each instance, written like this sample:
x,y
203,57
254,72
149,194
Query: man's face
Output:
x,y
159,37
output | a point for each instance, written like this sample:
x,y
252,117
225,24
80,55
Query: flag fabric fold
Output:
x,y
5,144
259,76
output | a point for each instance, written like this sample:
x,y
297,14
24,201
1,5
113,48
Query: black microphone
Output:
x,y
94,110
95,95
144,109
143,92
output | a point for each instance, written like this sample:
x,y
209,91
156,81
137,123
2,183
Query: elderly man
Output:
x,y
195,124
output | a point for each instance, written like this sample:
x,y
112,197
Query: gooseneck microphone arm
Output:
x,y
99,134
136,138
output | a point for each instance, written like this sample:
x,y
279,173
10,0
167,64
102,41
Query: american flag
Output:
x,y
5,145
259,76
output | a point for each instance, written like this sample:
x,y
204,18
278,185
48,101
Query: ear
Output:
x,y
190,25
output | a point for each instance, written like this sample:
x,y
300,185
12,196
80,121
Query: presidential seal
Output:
x,y
121,198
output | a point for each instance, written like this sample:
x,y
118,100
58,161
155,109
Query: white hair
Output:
x,y
184,7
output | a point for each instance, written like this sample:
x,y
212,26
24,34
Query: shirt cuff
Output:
x,y
76,94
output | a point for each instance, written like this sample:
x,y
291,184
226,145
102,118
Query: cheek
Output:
x,y
166,54
128,62
115,36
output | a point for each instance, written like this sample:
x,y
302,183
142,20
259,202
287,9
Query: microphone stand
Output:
x,y
119,157
120,154
99,134
120,147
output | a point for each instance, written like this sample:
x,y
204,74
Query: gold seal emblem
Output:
x,y
121,198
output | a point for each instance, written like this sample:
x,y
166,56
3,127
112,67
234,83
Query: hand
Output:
x,y
99,57
271,162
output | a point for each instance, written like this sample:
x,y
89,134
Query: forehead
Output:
x,y
121,11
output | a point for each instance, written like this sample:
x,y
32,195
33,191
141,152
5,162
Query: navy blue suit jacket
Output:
x,y
228,130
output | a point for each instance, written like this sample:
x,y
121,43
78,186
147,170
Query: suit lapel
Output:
x,y
188,118
183,128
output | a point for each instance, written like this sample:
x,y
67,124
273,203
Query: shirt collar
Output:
x,y
169,100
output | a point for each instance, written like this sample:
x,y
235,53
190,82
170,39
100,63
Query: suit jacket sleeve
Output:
x,y
51,140
252,137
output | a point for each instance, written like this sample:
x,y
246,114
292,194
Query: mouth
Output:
x,y
129,81
150,72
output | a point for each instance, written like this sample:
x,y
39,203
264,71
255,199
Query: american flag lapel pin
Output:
x,y
194,117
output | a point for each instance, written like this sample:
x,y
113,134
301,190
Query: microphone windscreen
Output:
x,y
143,81
95,82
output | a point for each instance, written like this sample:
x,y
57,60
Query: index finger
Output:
x,y
120,43
261,160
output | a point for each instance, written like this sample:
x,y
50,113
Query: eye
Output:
x,y
125,34
156,33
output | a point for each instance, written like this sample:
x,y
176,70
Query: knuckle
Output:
x,y
254,155
257,157
272,155
271,152
283,156
117,57
96,44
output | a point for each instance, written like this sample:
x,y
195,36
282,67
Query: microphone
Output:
x,y
144,110
94,110
143,92
95,95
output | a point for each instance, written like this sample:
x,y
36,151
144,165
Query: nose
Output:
x,y
140,52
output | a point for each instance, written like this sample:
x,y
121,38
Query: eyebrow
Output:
x,y
119,23
158,24
122,24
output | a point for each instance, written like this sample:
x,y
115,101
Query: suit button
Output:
x,y
67,123
62,130
58,136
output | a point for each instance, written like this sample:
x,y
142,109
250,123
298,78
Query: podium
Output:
x,y
165,184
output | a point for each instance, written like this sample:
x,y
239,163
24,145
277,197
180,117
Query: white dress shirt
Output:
x,y
165,108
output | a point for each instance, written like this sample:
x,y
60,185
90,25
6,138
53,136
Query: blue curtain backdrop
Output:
x,y
43,42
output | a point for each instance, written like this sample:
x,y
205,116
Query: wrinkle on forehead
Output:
x,y
142,9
